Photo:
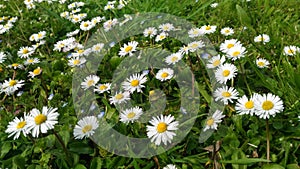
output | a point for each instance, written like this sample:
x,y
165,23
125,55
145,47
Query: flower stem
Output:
x,y
268,139
63,146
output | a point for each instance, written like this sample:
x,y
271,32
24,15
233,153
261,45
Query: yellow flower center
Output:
x,y
161,127
135,83
227,31
230,45
90,82
216,63
25,51
21,124
174,59
226,94
97,48
85,24
103,87
260,63
37,71
119,96
87,128
210,122
30,60
12,83
162,37
236,53
267,105
1,69
207,28
76,62
130,115
76,19
249,104
80,51
15,65
164,75
40,35
290,51
128,48
226,73
39,119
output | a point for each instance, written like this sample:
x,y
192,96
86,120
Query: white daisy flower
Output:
x,y
184,50
90,81
166,27
31,61
227,31
128,48
134,83
35,72
2,57
208,29
16,66
41,35
215,61
164,74
101,88
97,47
86,25
262,38
131,114
225,72
42,121
170,166
109,7
236,52
119,97
245,105
151,32
25,52
225,94
76,61
11,85
267,105
228,44
162,129
85,127
195,32
161,36
173,58
73,33
212,122
214,5
97,19
262,63
17,126
290,50
193,46
109,24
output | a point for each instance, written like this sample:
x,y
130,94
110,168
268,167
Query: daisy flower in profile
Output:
x,y
16,66
166,27
128,48
267,105
97,47
227,31
151,32
245,105
17,126
170,166
225,72
193,46
31,61
212,122
262,38
173,58
101,88
25,52
119,97
42,121
134,83
76,61
131,114
262,63
11,85
35,72
162,129
225,94
215,61
85,127
2,57
161,37
90,81
290,50
236,52
208,29
164,74
195,32
73,33
228,44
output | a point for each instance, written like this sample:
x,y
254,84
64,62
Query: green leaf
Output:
x,y
80,148
292,166
243,16
96,163
245,161
19,161
5,149
204,93
80,166
272,166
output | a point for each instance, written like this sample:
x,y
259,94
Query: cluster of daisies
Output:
x,y
6,23
30,4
